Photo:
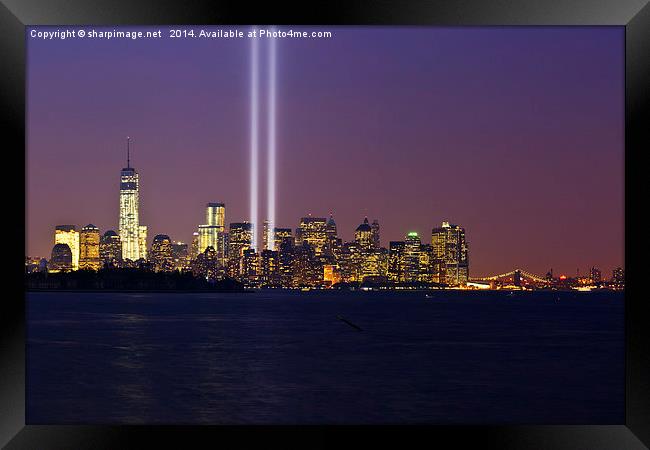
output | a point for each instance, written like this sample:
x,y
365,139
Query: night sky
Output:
x,y
515,133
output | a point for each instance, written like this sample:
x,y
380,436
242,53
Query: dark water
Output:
x,y
284,357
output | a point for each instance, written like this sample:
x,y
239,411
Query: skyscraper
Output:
x,y
363,235
307,270
110,249
313,231
396,261
450,254
240,238
161,253
89,248
132,234
194,246
376,241
267,236
412,257
250,262
67,234
284,244
209,233
269,268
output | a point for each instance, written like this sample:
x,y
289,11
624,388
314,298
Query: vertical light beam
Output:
x,y
254,138
270,199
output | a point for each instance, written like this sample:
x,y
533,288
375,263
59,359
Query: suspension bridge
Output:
x,y
512,276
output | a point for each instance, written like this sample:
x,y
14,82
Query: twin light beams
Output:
x,y
254,139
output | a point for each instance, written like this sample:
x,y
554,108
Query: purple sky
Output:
x,y
515,133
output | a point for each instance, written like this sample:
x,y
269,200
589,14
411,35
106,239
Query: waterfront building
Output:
x,y
450,253
89,248
61,259
331,274
68,235
110,249
161,254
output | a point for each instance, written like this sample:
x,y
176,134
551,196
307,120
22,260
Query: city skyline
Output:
x,y
558,205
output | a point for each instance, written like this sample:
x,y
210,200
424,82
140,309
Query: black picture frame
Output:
x,y
634,15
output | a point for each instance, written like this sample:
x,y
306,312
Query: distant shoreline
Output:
x,y
144,291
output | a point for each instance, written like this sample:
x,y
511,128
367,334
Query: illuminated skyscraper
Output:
x,y
215,216
161,253
450,255
333,243
269,268
132,234
307,270
331,274
61,260
250,262
110,249
284,244
376,241
313,231
89,248
330,228
67,234
374,265
363,236
194,246
412,257
396,262
350,262
239,240
267,236
426,264
282,234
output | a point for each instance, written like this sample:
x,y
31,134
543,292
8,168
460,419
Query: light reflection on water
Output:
x,y
286,358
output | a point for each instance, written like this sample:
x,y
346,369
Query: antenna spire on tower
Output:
x,y
128,152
